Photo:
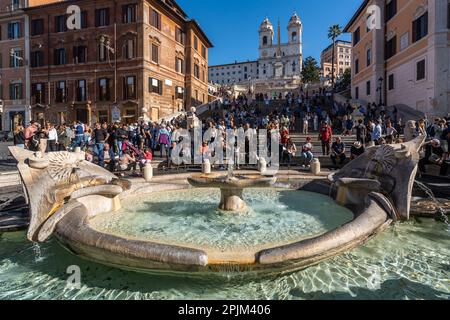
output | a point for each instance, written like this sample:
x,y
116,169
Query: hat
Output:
x,y
357,145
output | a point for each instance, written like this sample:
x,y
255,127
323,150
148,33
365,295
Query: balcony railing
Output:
x,y
11,8
13,102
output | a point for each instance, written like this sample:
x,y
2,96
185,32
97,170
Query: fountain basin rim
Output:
x,y
75,233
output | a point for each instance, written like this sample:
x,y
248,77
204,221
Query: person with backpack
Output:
x,y
79,135
325,136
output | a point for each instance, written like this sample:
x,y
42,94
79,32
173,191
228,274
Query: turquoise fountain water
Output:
x,y
412,260
191,218
408,261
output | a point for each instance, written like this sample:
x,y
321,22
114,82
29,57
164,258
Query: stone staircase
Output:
x,y
300,138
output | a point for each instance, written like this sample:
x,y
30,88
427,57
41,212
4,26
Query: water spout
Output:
x,y
440,214
37,252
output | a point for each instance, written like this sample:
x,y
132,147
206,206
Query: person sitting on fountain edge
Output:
x,y
356,150
338,151
434,154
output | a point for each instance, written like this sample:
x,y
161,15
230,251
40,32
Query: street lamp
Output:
x,y
380,88
104,42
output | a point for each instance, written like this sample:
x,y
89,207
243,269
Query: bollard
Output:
x,y
206,167
43,145
148,172
315,166
262,166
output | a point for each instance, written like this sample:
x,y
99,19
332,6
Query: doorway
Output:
x,y
82,115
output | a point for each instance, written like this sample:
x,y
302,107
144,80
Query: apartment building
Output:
x,y
129,60
342,59
229,74
14,71
406,58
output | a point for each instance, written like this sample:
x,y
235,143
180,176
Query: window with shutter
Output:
x,y
420,72
84,20
129,13
60,23
102,17
155,53
420,27
61,91
155,19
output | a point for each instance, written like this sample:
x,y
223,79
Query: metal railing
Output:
x,y
12,8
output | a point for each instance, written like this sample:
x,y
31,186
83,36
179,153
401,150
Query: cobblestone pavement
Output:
x,y
7,163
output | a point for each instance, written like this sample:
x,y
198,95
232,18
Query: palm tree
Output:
x,y
333,32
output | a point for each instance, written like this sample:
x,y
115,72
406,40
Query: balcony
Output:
x,y
16,102
11,8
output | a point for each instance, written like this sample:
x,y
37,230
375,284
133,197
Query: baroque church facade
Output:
x,y
276,61
280,60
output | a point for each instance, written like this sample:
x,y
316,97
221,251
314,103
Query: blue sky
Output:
x,y
232,25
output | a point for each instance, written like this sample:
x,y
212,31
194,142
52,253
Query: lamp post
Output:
x,y
380,88
104,42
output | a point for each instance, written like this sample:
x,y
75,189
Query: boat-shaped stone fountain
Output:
x,y
68,195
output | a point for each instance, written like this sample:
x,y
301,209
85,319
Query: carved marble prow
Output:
x,y
392,168
54,180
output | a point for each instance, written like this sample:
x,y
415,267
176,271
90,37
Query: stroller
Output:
x,y
127,146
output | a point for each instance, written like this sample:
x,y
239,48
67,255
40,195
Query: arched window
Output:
x,y
294,36
264,40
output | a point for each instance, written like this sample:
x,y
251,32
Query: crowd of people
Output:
x,y
120,146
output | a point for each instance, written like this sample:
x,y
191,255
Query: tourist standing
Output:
x,y
19,137
63,139
79,135
164,141
361,132
100,137
325,136
316,122
52,141
306,119
377,132
390,130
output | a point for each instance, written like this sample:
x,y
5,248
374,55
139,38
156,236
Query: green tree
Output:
x,y
346,78
310,71
333,33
